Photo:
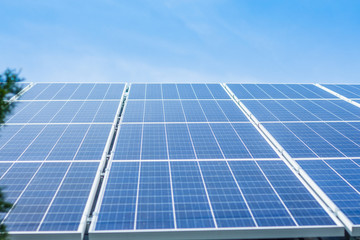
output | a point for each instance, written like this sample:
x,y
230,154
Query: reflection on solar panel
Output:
x,y
182,161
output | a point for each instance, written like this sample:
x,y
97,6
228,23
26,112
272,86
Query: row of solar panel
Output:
x,y
191,141
72,91
278,91
177,91
338,178
47,196
124,210
317,140
183,111
158,195
349,91
53,142
276,198
63,112
303,110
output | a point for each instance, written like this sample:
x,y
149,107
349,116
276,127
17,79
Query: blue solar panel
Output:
x,y
179,142
231,145
49,196
212,111
202,91
193,111
314,140
217,91
154,111
154,142
153,91
99,91
192,207
173,111
185,158
186,91
118,205
50,91
154,207
206,194
27,113
205,144
129,142
82,92
169,91
303,110
68,205
66,92
278,91
34,91
54,142
16,145
176,91
349,91
339,179
115,91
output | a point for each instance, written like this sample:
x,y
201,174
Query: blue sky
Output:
x,y
182,41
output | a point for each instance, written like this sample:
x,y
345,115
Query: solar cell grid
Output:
x,y
215,194
185,157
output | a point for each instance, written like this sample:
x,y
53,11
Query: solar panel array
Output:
x,y
321,134
187,158
185,161
51,148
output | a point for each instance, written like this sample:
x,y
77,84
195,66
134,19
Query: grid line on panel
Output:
x,y
242,194
41,131
42,90
53,198
347,182
326,140
56,143
138,182
339,95
237,134
277,194
167,152
22,192
198,165
1,147
346,92
232,174
26,108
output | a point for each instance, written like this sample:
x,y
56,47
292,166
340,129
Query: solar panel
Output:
x,y
53,146
278,91
347,90
187,158
66,91
322,137
171,161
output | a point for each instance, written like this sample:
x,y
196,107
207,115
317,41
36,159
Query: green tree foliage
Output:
x,y
8,88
